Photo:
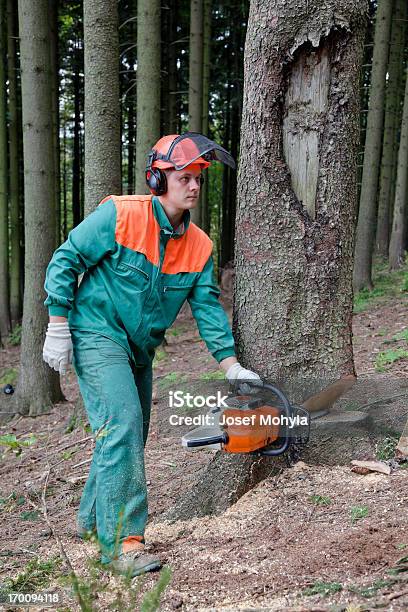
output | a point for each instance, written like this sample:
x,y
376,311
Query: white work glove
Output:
x,y
57,350
236,372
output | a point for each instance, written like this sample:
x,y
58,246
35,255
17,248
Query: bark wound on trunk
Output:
x,y
305,106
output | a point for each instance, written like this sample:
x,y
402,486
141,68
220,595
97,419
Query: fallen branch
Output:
x,y
81,463
383,400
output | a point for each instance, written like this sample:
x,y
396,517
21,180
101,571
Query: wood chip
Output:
x,y
365,467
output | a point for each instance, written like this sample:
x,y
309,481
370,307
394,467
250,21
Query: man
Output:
x,y
141,258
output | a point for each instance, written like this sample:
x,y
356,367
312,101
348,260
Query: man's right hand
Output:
x,y
57,350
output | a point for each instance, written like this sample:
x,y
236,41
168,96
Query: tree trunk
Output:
x,y
76,157
226,233
38,384
205,211
131,145
64,183
396,255
372,153
14,195
53,16
398,115
294,239
172,64
131,97
102,110
4,239
195,87
390,128
147,85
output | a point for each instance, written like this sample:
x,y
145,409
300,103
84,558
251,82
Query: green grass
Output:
x,y
382,332
8,376
400,567
176,331
320,500
385,448
75,421
386,285
35,577
11,443
14,337
353,405
65,455
125,593
217,375
358,512
30,515
402,335
160,355
151,600
170,379
323,588
9,503
371,590
389,357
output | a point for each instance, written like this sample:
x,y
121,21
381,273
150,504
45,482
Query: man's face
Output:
x,y
183,187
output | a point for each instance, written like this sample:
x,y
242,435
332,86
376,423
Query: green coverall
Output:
x,y
135,280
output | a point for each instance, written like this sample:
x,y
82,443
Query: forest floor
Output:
x,y
313,538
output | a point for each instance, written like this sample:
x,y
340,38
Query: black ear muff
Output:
x,y
156,181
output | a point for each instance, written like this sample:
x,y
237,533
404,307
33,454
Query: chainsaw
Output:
x,y
249,423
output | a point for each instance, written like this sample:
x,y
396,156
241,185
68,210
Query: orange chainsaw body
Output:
x,y
250,430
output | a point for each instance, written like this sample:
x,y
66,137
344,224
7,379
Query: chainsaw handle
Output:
x,y
221,438
288,410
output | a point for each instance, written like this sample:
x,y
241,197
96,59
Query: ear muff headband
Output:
x,y
156,181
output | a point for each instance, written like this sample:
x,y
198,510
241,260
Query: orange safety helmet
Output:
x,y
179,151
186,152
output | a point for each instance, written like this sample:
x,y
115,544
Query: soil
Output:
x,y
313,537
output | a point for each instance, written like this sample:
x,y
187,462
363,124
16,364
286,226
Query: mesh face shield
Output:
x,y
189,147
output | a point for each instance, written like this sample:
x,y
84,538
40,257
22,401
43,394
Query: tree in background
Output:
x,y
294,237
14,178
397,242
391,127
102,111
148,85
4,240
372,153
195,81
71,68
38,385
54,58
205,212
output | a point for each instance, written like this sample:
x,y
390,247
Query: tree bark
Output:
x,y
131,97
53,16
76,157
14,180
226,233
102,110
372,153
396,254
205,210
195,86
293,291
4,237
64,183
172,65
391,126
147,86
38,385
